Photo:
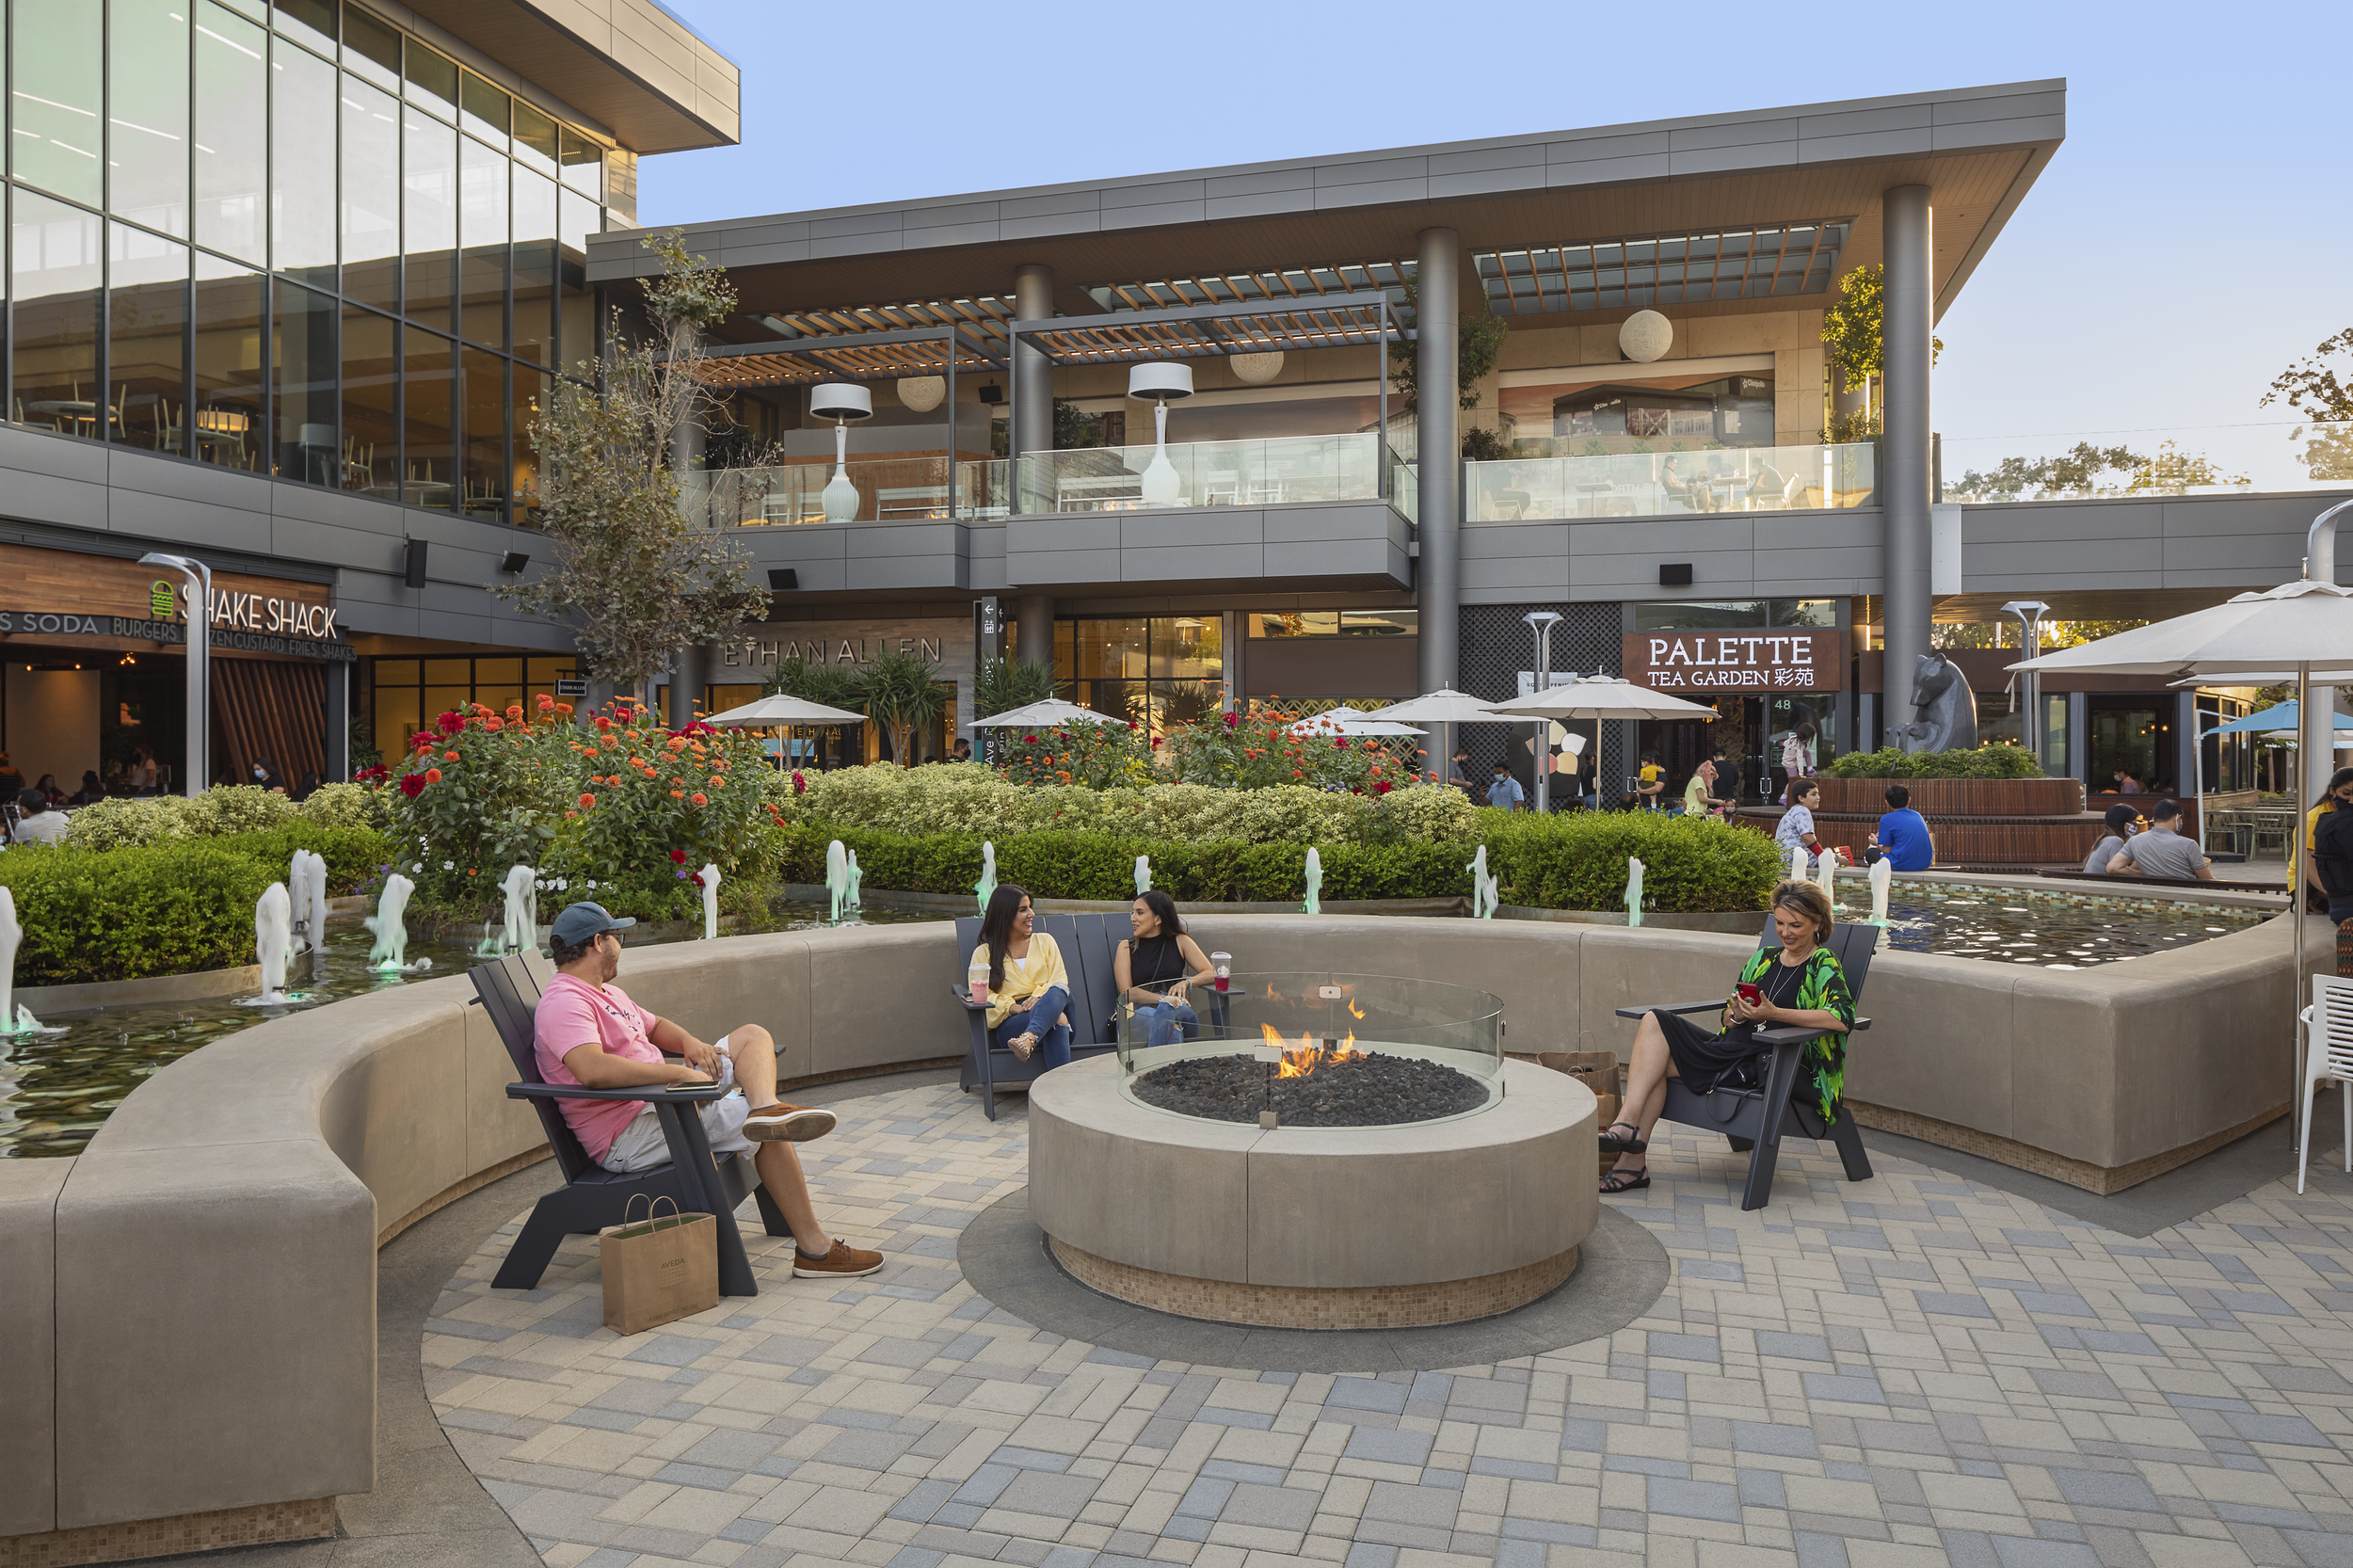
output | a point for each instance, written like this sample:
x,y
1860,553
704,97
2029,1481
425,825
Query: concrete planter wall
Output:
x,y
188,1305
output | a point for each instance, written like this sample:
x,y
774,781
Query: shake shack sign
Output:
x,y
1745,660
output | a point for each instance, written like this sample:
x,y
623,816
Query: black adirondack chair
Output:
x,y
1086,956
593,1197
1756,1120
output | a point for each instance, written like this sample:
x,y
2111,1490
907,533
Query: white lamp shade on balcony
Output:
x,y
922,394
1159,382
1255,370
841,400
1644,336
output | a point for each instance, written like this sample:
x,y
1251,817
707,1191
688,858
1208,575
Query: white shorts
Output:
x,y
640,1145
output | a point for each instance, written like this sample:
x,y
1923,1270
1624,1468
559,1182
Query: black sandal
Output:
x,y
1625,1181
1612,1144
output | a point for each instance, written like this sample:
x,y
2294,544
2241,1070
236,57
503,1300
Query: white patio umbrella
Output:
x,y
2301,626
1596,698
1351,721
783,709
1044,715
1447,708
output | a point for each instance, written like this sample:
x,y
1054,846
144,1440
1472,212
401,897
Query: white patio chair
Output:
x,y
2328,1054
1223,489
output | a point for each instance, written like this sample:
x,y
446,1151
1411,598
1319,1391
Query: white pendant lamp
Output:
x,y
1160,384
840,401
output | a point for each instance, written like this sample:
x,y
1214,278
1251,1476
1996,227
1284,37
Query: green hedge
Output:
x,y
354,856
1989,762
1577,861
126,914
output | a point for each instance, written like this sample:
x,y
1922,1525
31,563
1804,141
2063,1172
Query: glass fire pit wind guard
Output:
x,y
1318,1049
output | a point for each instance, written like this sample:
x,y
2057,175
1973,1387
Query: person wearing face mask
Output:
x,y
1503,791
264,776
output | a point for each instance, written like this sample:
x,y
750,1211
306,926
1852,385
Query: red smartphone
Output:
x,y
1752,995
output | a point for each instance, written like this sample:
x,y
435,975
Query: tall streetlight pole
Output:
x,y
200,578
1542,621
2029,613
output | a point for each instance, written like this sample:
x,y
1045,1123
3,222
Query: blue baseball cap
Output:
x,y
581,920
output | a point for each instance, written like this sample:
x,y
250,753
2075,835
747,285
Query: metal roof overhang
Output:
x,y
1980,149
850,357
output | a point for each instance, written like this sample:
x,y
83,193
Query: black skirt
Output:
x,y
1704,1058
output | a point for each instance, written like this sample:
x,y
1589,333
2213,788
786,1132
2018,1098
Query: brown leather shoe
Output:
x,y
786,1123
844,1262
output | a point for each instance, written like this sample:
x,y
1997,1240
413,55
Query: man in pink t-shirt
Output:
x,y
589,1033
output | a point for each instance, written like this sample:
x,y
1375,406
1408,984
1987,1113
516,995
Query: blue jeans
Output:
x,y
1045,1020
1163,1018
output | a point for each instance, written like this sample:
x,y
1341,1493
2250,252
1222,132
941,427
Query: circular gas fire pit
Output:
x,y
1316,1151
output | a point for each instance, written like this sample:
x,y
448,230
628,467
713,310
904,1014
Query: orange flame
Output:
x,y
1356,1012
1306,1057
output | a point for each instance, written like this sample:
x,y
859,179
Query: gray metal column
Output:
x,y
2079,735
1438,448
338,722
1910,246
1033,374
690,672
2186,749
1037,630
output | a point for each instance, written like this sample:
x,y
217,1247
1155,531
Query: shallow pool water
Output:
x,y
2001,926
56,1089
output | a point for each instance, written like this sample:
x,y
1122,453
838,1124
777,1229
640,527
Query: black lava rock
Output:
x,y
1371,1090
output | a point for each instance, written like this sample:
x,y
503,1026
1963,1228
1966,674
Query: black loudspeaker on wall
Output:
x,y
415,565
1676,576
783,579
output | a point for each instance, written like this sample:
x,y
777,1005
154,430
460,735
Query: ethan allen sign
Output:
x,y
1743,660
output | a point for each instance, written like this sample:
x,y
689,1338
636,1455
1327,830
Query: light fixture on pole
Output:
x,y
2029,613
1160,384
1542,621
840,401
199,720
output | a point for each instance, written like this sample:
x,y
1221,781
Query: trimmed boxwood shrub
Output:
x,y
1991,762
1577,861
126,914
354,856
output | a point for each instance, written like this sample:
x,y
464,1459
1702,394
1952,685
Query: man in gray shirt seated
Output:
x,y
2161,851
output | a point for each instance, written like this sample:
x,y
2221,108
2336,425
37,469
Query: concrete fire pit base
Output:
x,y
1314,1227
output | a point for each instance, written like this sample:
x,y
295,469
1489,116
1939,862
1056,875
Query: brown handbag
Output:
x,y
658,1271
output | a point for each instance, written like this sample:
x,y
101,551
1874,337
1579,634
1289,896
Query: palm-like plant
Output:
x,y
1001,685
902,690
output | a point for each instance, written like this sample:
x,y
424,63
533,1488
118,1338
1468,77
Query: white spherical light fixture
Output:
x,y
840,401
1257,369
1646,336
922,394
1160,384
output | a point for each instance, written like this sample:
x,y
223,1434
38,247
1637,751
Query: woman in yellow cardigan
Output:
x,y
1026,986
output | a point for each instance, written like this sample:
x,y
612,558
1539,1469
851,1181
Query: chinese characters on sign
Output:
x,y
1745,660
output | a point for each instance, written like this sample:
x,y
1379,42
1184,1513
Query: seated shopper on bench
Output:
x,y
589,1033
1800,985
1027,988
1156,964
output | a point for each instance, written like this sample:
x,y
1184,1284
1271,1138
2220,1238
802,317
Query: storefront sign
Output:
x,y
172,631
291,617
571,686
1760,660
819,648
60,593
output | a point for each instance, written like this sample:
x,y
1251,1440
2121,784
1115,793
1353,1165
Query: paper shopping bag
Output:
x,y
659,1269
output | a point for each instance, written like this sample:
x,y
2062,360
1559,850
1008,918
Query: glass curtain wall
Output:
x,y
1156,671
289,238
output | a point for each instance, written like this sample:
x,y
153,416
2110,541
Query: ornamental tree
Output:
x,y
634,572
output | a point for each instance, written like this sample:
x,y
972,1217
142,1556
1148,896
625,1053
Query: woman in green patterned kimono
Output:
x,y
1801,984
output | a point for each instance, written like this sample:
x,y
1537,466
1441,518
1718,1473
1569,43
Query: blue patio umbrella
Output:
x,y
2280,716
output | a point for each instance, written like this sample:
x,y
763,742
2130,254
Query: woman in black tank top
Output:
x,y
1155,967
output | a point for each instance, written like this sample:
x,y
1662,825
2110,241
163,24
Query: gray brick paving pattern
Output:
x,y
1915,1371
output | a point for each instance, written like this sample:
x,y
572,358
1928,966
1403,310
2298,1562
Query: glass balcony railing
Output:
x,y
1667,484
888,490
1273,471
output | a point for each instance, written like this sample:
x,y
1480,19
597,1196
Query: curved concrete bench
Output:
x,y
194,1296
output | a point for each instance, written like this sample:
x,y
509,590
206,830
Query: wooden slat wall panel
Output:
x,y
272,710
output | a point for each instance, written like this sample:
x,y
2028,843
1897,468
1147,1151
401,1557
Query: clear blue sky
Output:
x,y
2193,236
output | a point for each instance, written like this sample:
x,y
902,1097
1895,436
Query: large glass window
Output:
x,y
484,110
429,419
535,138
482,460
232,130
371,196
55,278
535,265
303,383
371,449
576,305
432,80
523,408
371,48
147,319
1156,671
482,228
56,100
148,145
429,243
311,22
302,167
584,165
222,422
